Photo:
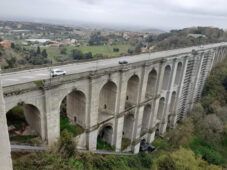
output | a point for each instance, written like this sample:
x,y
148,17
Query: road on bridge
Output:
x,y
44,73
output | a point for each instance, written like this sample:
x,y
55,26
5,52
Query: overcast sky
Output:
x,y
164,14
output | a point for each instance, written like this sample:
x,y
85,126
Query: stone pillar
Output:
x,y
92,139
118,133
93,112
52,117
5,156
119,121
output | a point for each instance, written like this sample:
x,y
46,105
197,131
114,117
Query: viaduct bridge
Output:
x,y
114,102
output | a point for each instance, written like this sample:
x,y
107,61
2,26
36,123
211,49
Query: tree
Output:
x,y
138,47
44,53
130,51
96,39
182,134
76,54
11,62
149,38
210,128
38,50
115,49
88,55
12,45
63,50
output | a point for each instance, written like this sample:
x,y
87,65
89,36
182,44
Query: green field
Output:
x,y
105,50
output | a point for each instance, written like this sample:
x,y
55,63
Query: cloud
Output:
x,y
141,13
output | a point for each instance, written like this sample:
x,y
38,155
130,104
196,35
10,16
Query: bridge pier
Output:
x,y
5,156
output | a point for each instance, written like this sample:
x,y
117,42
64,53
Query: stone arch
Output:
x,y
74,107
107,101
166,78
146,117
161,108
178,73
151,83
132,91
106,134
23,120
128,126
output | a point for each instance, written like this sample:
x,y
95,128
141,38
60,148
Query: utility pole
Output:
x,y
5,155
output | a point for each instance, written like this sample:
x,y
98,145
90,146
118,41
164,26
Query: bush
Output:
x,y
88,55
116,50
210,128
163,162
182,134
206,151
66,145
77,54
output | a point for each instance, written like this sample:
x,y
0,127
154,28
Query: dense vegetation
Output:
x,y
199,142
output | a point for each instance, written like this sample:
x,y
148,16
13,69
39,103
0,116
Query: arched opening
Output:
x,y
132,91
178,73
104,139
161,108
107,101
145,121
72,113
166,78
24,124
151,84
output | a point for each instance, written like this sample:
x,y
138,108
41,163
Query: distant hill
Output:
x,y
187,37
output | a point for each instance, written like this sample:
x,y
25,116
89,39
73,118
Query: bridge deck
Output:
x,y
44,73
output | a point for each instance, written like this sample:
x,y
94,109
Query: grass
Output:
x,y
105,50
102,145
74,129
207,151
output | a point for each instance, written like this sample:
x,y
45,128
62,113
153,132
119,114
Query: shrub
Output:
x,y
206,151
163,162
116,50
66,145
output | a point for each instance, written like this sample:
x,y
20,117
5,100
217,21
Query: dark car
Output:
x,y
123,62
144,146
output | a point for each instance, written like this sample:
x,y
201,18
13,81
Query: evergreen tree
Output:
x,y
44,53
38,50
